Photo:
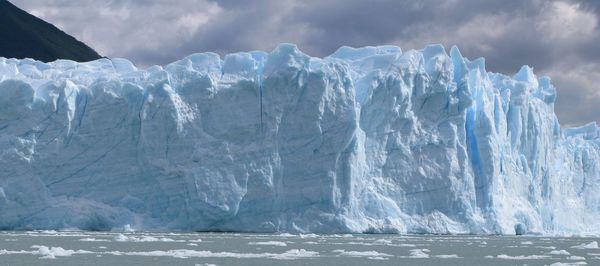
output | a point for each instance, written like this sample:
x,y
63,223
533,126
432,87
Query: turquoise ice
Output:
x,y
367,139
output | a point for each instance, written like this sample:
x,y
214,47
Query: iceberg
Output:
x,y
366,140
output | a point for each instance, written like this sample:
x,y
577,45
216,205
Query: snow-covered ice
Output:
x,y
369,139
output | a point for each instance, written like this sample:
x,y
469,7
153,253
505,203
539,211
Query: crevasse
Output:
x,y
365,140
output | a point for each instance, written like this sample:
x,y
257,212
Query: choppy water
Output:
x,y
101,248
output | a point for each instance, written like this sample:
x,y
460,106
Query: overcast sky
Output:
x,y
560,38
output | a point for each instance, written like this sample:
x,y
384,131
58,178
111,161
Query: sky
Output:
x,y
558,38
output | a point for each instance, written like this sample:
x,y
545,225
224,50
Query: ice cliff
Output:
x,y
365,140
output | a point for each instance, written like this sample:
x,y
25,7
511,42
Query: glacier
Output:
x,y
368,140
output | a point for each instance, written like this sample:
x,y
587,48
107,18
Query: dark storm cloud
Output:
x,y
418,23
337,22
558,38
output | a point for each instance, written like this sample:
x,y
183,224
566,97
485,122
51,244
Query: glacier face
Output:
x,y
364,140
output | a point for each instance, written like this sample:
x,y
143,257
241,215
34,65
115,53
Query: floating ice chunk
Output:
x,y
186,253
13,252
308,236
53,252
576,258
93,239
559,252
449,256
132,238
568,263
269,243
295,254
591,245
522,257
382,241
371,253
418,254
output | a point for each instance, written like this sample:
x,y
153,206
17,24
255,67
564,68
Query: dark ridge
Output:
x,y
23,35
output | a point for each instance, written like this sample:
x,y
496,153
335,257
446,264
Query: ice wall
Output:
x,y
364,140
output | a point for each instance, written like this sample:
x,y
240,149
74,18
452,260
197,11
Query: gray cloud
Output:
x,y
558,38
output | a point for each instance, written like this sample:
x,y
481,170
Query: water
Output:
x,y
103,248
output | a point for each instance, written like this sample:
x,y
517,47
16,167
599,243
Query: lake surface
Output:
x,y
140,248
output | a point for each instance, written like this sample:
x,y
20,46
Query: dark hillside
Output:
x,y
23,35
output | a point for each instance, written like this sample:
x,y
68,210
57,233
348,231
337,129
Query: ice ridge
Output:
x,y
368,139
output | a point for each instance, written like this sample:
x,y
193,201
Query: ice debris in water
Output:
x,y
591,245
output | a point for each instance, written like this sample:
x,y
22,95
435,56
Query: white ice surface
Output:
x,y
365,140
268,243
591,245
